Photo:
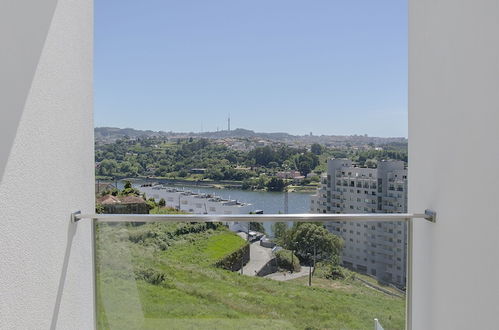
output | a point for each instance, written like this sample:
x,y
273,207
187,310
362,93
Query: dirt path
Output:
x,y
286,276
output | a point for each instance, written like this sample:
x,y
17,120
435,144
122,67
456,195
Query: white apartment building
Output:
x,y
374,248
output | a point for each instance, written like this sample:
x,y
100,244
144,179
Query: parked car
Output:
x,y
254,236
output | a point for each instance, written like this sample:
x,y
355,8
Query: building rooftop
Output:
x,y
110,200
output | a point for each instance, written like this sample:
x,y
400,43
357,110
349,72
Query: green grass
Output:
x,y
196,295
206,251
165,210
378,284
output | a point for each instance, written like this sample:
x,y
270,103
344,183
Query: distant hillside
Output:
x,y
244,133
111,134
119,133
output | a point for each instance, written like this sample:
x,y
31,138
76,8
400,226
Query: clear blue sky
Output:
x,y
297,66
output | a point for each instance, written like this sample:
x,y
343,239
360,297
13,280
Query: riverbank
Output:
x,y
223,184
184,182
268,202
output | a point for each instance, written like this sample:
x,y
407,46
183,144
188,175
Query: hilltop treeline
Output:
x,y
156,157
159,157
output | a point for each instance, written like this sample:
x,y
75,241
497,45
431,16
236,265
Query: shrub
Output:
x,y
287,260
332,271
275,184
163,235
195,227
257,226
99,208
233,261
151,204
150,275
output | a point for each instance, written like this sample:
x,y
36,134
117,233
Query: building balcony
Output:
x,y
47,171
143,260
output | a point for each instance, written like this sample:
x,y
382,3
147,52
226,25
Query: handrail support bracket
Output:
x,y
430,215
75,216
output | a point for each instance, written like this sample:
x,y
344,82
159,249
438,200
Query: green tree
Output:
x,y
371,163
306,162
129,169
128,190
275,184
287,260
215,173
162,202
304,237
316,149
261,182
279,229
262,155
99,208
108,167
151,203
257,226
273,164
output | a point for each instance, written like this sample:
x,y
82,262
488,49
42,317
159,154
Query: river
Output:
x,y
268,202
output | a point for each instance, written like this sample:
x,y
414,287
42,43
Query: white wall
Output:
x,y
46,164
454,162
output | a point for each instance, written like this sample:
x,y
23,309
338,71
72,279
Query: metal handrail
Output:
x,y
305,217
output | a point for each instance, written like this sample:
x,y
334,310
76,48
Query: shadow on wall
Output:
x,y
24,26
62,279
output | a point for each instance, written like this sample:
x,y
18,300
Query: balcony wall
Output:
x,y
46,164
453,129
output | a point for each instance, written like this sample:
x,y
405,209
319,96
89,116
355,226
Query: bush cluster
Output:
x,y
150,275
162,235
234,260
332,271
286,260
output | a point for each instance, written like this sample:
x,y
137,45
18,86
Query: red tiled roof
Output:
x,y
110,199
131,200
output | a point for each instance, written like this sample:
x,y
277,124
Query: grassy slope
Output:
x,y
196,295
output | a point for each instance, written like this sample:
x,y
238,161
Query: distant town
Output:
x,y
237,158
243,139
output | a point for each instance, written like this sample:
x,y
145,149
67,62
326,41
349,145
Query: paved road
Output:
x,y
259,256
286,276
